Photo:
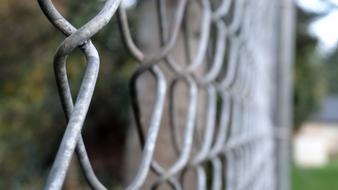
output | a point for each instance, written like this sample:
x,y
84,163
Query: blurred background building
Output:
x,y
316,143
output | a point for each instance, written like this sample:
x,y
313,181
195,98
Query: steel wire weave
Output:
x,y
231,63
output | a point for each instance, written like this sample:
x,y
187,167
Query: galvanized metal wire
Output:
x,y
232,64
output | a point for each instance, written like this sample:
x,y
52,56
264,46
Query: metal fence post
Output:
x,y
283,104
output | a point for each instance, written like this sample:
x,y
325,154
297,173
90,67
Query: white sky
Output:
x,y
325,28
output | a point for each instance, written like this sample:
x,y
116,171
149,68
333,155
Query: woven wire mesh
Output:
x,y
226,64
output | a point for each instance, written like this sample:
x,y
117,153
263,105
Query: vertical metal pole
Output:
x,y
283,105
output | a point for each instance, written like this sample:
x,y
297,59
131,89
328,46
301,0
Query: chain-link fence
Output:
x,y
221,74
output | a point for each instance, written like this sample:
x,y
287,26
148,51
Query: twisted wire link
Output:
x,y
75,113
227,63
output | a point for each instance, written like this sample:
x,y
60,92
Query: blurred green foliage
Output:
x,y
316,73
331,71
310,85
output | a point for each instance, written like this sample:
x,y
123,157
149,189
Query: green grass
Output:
x,y
325,178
